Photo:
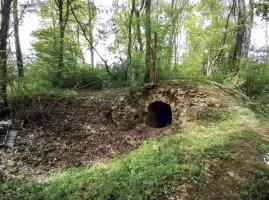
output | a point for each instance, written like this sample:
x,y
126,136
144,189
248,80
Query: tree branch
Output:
x,y
89,41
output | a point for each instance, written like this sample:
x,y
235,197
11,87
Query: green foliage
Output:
x,y
255,76
19,189
215,115
194,171
262,9
38,81
263,148
42,73
258,185
220,151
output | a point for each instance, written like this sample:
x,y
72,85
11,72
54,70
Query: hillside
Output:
x,y
71,148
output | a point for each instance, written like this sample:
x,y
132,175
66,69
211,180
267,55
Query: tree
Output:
x,y
91,16
129,50
138,25
240,35
148,42
17,39
63,7
262,9
5,17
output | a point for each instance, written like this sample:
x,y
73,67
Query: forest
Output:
x,y
135,99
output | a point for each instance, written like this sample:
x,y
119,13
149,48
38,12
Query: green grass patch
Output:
x,y
263,148
215,115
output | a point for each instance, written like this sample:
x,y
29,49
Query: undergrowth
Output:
x,y
159,167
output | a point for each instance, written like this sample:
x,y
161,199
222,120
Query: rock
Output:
x,y
132,142
231,174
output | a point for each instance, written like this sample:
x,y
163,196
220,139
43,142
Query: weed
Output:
x,y
263,148
258,186
220,151
215,115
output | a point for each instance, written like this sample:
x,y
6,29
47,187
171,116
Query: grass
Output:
x,y
158,168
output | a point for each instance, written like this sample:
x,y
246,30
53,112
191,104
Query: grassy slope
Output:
x,y
217,157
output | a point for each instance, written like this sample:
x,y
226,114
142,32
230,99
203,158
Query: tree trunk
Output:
x,y
61,42
153,74
138,26
17,39
92,50
129,50
249,26
91,14
171,37
148,41
5,16
62,20
240,35
81,56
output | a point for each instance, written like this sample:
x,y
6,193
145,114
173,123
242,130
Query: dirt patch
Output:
x,y
226,177
59,132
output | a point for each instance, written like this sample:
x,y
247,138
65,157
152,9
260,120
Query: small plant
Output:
x,y
263,148
258,186
220,151
194,171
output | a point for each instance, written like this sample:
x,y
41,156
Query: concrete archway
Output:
x,y
159,114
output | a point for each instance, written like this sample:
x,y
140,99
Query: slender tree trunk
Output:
x,y
249,26
62,20
17,39
153,71
171,37
91,49
78,40
129,50
148,41
138,26
138,30
5,16
266,42
61,42
91,14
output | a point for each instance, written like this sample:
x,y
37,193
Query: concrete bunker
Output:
x,y
159,114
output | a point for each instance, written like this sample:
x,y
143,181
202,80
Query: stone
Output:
x,y
231,174
179,96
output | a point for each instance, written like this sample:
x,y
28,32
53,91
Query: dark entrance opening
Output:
x,y
159,114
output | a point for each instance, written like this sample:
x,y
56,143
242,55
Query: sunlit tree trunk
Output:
x,y
91,15
138,26
17,39
171,36
249,26
5,16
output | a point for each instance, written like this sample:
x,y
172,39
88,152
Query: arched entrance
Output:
x,y
159,114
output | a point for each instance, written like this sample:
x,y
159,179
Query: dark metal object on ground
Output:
x,y
7,135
